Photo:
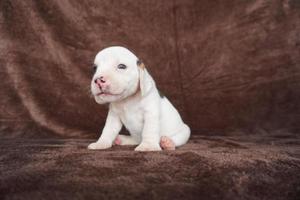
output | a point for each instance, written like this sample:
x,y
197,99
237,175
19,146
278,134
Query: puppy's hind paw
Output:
x,y
118,141
166,143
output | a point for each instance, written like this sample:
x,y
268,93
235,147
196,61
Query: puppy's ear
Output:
x,y
146,82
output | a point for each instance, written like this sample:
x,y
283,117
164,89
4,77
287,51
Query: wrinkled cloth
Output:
x,y
228,66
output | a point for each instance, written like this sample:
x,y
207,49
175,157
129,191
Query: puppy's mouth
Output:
x,y
107,94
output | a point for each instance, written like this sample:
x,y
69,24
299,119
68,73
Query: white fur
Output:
x,y
136,104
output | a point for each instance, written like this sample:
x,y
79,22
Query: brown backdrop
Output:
x,y
228,66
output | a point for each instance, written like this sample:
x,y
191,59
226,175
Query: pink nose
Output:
x,y
101,81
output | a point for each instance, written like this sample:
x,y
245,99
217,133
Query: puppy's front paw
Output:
x,y
99,145
148,147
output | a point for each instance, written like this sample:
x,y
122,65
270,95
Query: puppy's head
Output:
x,y
118,74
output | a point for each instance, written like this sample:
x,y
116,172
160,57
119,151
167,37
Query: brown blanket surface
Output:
x,y
205,168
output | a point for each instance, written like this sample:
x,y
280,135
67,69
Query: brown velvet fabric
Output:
x,y
230,67
206,168
226,65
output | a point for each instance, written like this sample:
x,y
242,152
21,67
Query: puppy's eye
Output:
x,y
94,68
122,66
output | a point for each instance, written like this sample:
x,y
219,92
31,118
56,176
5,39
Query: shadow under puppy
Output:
x,y
121,80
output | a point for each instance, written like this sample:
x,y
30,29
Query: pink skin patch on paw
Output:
x,y
166,143
117,141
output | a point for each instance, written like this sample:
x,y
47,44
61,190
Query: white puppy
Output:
x,y
152,121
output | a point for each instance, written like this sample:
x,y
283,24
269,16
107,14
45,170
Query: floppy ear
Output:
x,y
146,82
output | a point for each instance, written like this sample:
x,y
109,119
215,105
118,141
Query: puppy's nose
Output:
x,y
102,83
99,81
